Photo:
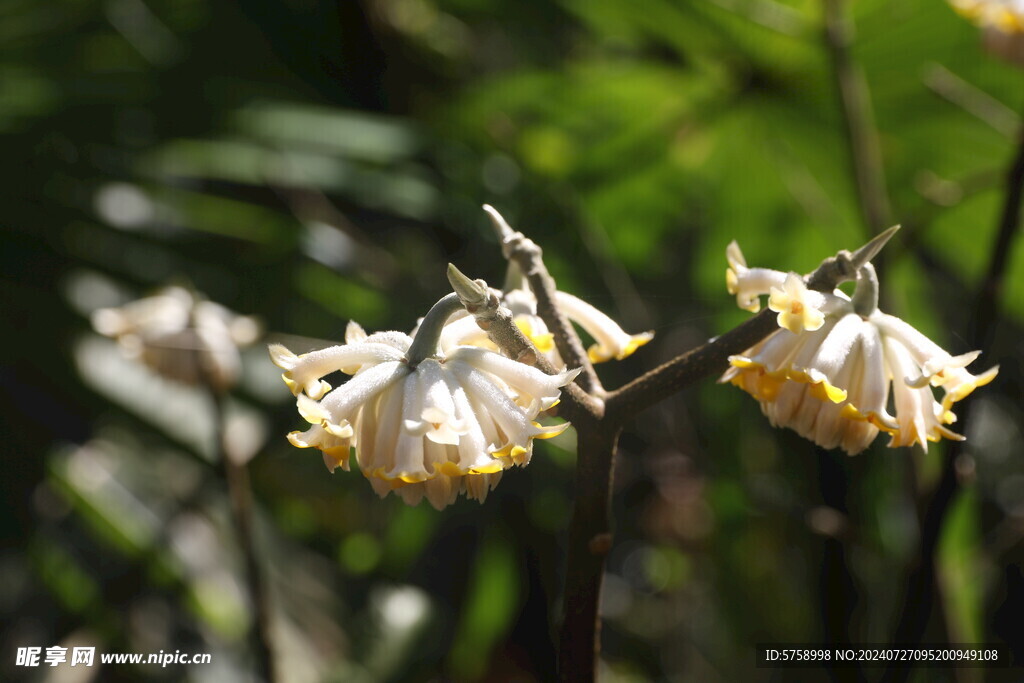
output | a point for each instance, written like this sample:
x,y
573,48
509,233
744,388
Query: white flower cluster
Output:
x,y
180,335
828,374
449,417
452,424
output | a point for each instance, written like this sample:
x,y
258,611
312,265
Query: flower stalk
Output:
x,y
424,345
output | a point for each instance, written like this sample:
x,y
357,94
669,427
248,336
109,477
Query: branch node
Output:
x,y
600,545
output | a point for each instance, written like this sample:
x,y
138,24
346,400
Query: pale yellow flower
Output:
x,y
798,307
1006,16
831,383
748,283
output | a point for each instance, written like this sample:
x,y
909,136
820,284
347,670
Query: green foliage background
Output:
x,y
312,163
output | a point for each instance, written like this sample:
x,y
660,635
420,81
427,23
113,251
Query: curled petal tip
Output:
x,y
871,249
282,357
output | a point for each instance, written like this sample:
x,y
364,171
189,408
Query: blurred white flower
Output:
x,y
1004,15
180,335
831,384
451,424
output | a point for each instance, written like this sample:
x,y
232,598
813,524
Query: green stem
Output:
x,y
429,333
865,297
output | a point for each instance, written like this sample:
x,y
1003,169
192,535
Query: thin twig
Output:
x,y
496,320
529,257
972,99
920,594
861,133
239,489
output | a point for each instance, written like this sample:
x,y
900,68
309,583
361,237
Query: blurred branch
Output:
x,y
311,206
972,100
630,306
921,590
861,133
837,588
236,474
986,311
941,194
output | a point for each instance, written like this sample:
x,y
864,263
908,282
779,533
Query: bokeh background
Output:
x,y
315,162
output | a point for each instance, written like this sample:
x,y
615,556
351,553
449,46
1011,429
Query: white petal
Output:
x,y
303,372
346,399
913,406
612,340
835,350
522,378
438,411
380,457
354,333
461,332
921,348
473,444
413,395
502,409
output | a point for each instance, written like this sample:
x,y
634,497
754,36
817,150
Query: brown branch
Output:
x,y
703,361
986,310
529,257
484,305
590,540
861,133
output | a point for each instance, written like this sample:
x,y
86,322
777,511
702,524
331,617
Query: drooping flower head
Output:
x,y
433,423
180,335
829,378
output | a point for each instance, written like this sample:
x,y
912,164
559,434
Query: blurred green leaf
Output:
x,y
492,602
